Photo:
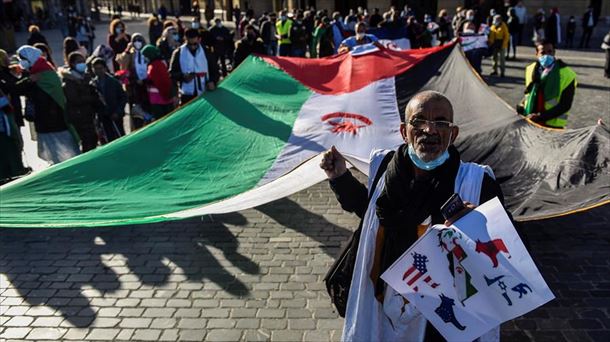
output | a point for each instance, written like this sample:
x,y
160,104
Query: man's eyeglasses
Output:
x,y
437,124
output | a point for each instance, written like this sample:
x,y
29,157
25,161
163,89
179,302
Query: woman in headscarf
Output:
x,y
170,40
42,87
9,75
11,144
161,94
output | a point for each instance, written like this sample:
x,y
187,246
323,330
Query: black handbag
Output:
x,y
338,279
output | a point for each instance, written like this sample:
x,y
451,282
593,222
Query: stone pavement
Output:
x,y
257,274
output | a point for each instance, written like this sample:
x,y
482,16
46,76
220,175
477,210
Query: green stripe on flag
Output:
x,y
218,146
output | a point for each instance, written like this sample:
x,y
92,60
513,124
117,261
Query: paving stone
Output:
x,y
316,336
164,323
103,334
19,321
47,322
247,323
192,323
77,334
220,323
135,322
146,334
218,335
9,333
158,312
192,335
188,313
125,334
286,335
105,322
46,333
109,312
169,335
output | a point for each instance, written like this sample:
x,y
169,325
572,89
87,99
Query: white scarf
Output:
x,y
140,65
193,64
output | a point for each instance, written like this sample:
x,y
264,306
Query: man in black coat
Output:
x,y
248,45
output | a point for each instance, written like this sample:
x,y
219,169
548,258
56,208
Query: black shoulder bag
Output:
x,y
338,279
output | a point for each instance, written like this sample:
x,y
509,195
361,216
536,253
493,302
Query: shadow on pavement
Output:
x,y
291,215
55,267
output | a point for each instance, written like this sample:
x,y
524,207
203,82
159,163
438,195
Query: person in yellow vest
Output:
x,y
498,41
283,27
550,86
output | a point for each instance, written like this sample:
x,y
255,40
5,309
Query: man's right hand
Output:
x,y
333,163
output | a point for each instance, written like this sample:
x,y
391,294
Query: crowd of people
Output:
x,y
85,96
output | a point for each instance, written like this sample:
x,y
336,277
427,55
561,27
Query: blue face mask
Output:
x,y
430,165
81,67
546,61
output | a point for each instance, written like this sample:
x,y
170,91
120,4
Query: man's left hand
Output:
x,y
468,207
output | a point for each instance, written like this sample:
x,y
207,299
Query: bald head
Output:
x,y
432,102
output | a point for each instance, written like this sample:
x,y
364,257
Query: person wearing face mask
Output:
x,y
133,73
43,89
189,67
114,99
299,36
169,41
361,38
408,188
118,39
498,42
248,45
550,86
283,27
222,39
337,29
82,100
269,34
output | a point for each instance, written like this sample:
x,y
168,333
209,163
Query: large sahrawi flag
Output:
x,y
259,136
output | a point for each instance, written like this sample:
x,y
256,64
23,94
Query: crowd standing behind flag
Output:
x,y
153,82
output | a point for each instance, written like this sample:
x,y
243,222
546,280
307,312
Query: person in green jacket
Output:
x,y
322,44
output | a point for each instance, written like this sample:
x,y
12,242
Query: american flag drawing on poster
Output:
x,y
417,270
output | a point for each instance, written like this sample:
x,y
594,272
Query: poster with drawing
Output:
x,y
471,276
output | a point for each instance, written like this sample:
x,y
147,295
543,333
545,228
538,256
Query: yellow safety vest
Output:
x,y
566,76
284,30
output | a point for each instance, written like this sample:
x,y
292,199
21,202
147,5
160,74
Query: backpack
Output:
x,y
338,279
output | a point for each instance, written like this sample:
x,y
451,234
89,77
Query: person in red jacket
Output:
x,y
161,92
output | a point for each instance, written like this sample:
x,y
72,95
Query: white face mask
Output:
x,y
468,31
359,35
137,45
195,25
